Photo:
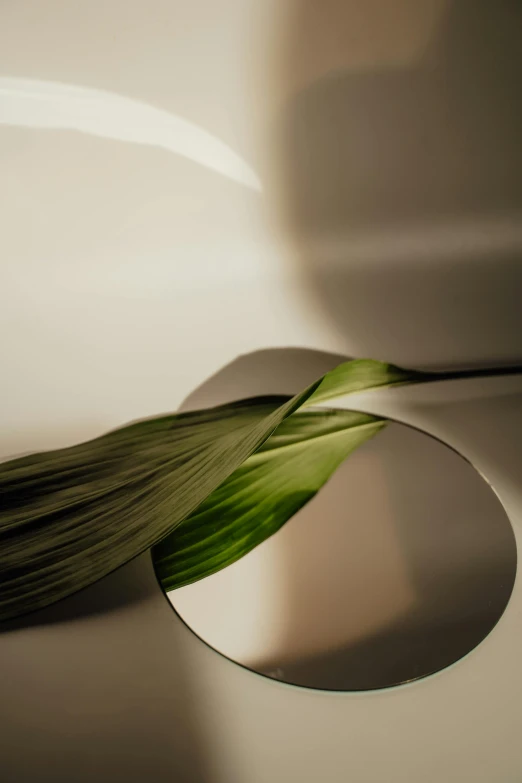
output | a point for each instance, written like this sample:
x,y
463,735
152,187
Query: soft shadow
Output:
x,y
264,372
109,664
428,145
129,584
387,658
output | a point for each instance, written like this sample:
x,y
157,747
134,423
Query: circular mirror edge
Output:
x,y
381,688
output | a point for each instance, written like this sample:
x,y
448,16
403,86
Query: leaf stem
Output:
x,y
482,372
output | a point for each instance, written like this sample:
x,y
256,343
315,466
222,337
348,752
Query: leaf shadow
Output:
x,y
129,584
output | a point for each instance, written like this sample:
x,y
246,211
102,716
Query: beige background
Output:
x,y
387,143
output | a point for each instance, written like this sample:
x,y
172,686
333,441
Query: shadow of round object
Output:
x,y
401,183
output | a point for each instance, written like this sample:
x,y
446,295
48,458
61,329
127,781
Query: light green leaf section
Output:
x,y
70,517
360,375
262,494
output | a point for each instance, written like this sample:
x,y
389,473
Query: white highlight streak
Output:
x,y
40,104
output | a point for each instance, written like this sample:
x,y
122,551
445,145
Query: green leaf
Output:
x,y
70,517
262,494
361,375
276,481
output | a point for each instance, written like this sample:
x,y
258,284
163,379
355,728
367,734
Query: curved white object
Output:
x,y
30,103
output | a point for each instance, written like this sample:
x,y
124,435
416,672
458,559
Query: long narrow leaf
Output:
x,y
69,517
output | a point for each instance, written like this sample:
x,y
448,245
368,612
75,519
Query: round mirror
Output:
x,y
400,566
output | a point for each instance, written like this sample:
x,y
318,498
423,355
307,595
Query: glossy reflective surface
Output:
x,y
399,567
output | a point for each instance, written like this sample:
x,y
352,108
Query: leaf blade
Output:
x,y
262,494
70,517
53,544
